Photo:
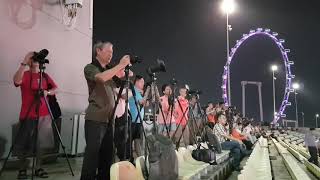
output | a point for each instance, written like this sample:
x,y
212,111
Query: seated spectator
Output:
x,y
232,144
236,133
248,130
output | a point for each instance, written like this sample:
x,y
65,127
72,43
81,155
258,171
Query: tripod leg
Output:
x,y
62,146
5,161
34,145
59,136
11,148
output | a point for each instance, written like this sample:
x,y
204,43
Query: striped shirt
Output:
x,y
219,131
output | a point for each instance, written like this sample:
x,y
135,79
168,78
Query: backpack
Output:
x,y
212,140
163,162
204,155
53,102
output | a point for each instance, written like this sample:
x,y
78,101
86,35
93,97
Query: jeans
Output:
x,y
234,148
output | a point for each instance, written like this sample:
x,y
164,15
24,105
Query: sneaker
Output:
x,y
238,169
22,174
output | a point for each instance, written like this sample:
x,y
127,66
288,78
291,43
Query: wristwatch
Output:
x,y
23,64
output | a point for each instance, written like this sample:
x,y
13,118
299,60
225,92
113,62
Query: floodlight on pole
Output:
x,y
295,86
274,68
228,6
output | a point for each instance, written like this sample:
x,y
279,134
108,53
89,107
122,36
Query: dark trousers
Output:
x,y
235,150
314,155
99,150
248,144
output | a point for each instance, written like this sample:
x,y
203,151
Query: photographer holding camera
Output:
x,y
165,119
27,78
98,129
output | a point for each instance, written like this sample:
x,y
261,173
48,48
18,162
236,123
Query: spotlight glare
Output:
x,y
274,67
295,86
228,6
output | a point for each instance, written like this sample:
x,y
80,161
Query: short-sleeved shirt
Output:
x,y
164,116
182,110
247,129
236,133
219,130
101,95
133,107
29,88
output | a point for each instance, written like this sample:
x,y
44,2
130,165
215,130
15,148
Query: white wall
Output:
x,y
69,52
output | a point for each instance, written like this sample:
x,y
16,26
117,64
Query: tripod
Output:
x,y
37,101
180,120
127,85
123,85
202,129
171,103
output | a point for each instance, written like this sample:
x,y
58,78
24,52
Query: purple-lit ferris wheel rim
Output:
x,y
287,63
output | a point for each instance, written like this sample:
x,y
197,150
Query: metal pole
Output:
x,y
260,101
243,98
229,84
274,95
316,122
302,114
296,102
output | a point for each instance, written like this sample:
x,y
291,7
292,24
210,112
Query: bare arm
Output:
x,y
231,138
17,78
107,75
50,92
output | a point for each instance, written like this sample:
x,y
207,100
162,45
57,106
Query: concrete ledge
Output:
x,y
313,168
294,169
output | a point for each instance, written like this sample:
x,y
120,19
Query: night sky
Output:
x,y
189,35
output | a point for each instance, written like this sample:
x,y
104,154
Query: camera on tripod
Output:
x,y
159,67
195,92
135,59
40,56
173,81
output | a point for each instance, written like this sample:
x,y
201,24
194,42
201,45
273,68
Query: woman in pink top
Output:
x,y
181,113
166,120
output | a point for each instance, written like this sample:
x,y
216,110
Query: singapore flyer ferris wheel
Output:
x,y
288,65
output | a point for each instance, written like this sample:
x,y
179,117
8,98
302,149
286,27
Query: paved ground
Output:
x,y
57,171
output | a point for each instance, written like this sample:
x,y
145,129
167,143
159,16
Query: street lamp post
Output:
x,y
302,115
296,86
273,69
228,7
317,116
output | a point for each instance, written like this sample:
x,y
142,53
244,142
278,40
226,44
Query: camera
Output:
x,y
173,81
40,56
135,59
195,92
159,67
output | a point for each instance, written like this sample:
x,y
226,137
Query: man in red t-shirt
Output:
x,y
27,78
